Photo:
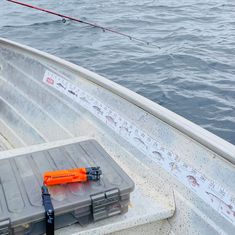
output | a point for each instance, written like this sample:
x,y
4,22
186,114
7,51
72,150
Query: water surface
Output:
x,y
193,74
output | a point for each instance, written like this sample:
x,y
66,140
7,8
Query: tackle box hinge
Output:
x,y
5,227
105,204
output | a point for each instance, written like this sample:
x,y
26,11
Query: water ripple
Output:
x,y
192,74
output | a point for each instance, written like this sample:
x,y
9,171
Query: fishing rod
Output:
x,y
80,21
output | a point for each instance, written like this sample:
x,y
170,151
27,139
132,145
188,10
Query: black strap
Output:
x,y
49,211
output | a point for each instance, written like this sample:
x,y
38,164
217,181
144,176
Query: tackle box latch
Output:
x,y
5,227
105,204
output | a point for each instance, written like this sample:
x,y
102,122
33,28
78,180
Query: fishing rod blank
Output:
x,y
79,21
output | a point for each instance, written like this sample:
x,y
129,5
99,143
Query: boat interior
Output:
x,y
48,102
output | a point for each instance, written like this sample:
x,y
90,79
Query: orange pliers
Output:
x,y
72,175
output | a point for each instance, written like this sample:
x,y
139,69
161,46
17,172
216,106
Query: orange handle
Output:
x,y
65,176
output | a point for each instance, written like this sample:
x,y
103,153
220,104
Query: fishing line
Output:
x,y
64,17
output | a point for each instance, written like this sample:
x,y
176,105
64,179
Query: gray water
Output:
x,y
192,74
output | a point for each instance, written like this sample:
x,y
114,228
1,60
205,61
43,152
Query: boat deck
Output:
x,y
146,206
28,117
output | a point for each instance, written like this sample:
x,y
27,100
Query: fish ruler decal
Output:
x,y
211,192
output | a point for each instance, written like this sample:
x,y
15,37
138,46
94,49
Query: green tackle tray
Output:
x,y
21,177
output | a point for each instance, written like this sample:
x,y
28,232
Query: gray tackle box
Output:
x,y
21,177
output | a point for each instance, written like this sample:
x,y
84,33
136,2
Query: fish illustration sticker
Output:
x,y
158,155
192,181
140,142
110,120
97,109
208,190
124,131
61,85
72,93
223,206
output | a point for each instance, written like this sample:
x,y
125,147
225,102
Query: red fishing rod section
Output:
x,y
78,20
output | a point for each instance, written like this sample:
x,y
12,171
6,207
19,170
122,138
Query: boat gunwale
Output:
x,y
211,141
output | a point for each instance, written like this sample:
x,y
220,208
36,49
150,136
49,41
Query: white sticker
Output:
x,y
211,192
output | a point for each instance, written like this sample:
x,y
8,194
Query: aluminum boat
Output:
x,y
183,174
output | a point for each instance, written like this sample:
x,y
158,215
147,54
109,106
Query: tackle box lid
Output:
x,y
21,178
